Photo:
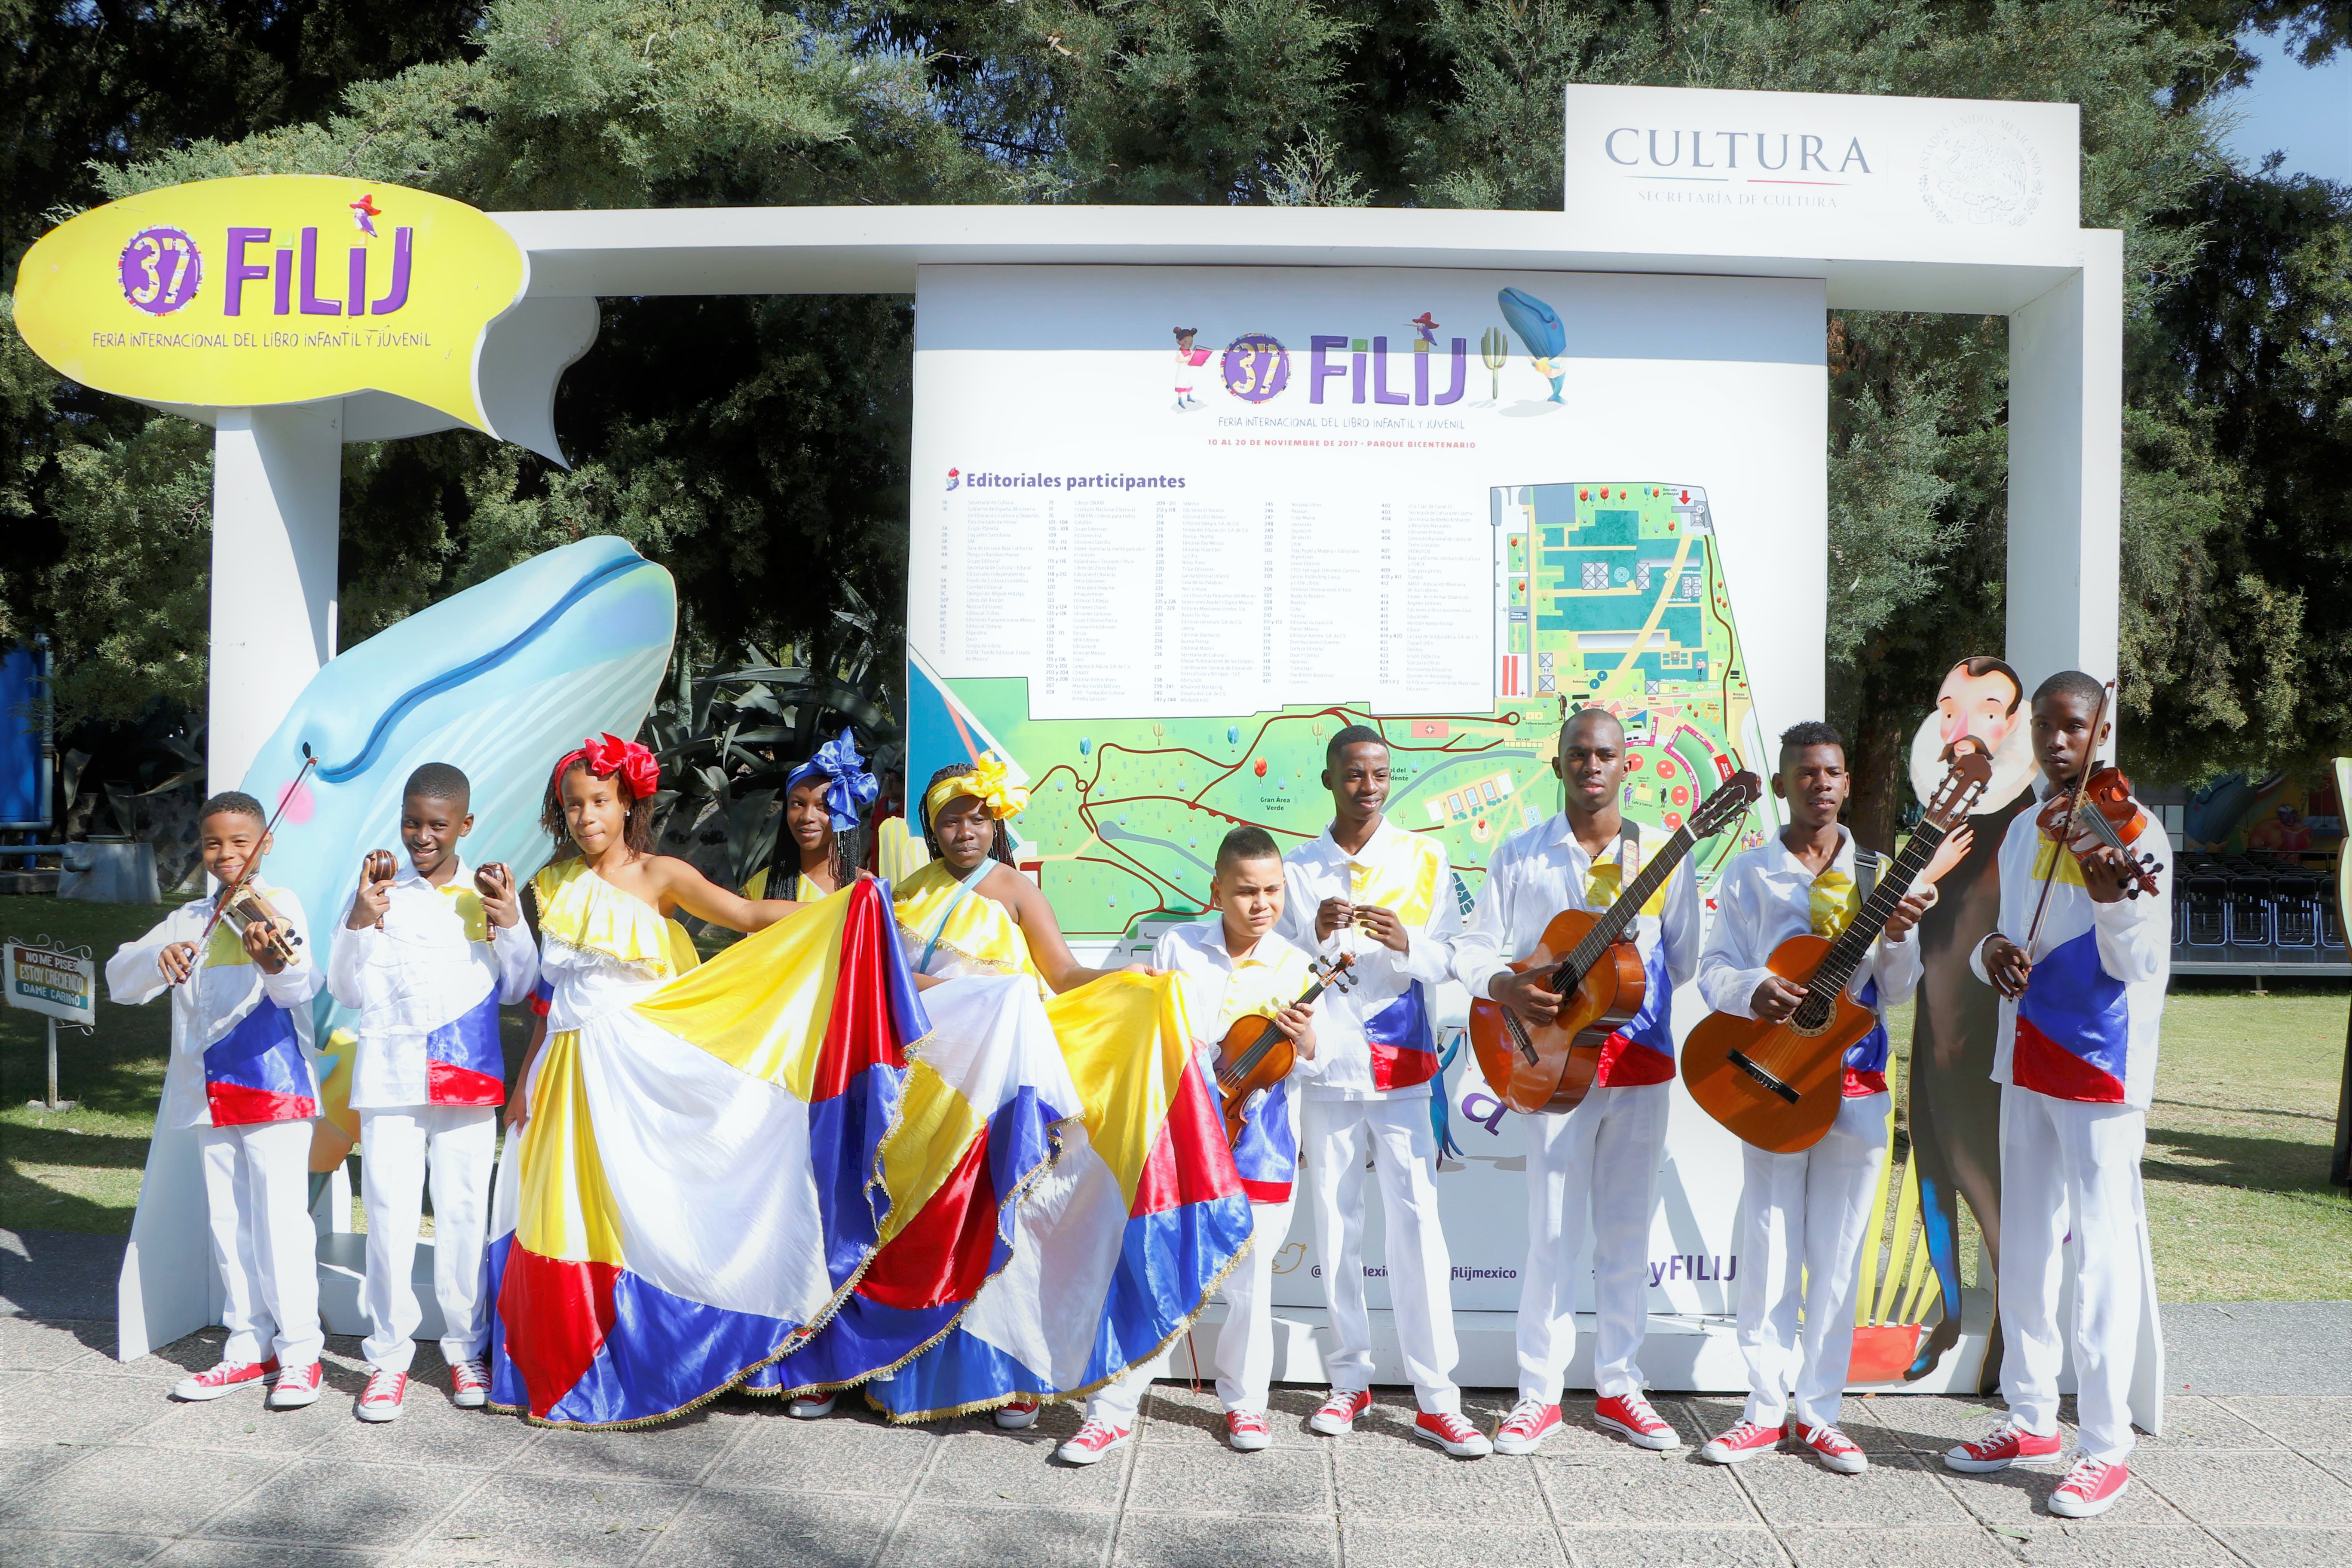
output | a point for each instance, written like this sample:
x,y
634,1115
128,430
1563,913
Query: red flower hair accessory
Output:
x,y
611,755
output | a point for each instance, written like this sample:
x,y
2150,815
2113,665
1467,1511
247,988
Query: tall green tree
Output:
x,y
759,446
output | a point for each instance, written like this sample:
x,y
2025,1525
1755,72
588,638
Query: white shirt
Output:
x,y
215,998
1219,988
1541,871
1766,897
1321,869
2096,997
427,967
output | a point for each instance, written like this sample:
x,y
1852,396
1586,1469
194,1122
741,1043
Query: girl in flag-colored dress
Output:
x,y
672,1210
1141,1214
824,841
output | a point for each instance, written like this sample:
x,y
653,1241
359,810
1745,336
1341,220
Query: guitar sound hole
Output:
x,y
1812,1016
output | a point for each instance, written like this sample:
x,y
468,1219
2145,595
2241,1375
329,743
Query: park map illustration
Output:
x,y
1613,594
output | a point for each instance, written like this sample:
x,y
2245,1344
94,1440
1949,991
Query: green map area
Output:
x,y
1616,597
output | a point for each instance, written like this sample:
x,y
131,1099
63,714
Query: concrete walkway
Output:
x,y
98,1467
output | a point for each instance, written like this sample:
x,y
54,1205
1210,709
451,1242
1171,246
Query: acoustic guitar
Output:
x,y
1596,971
1779,1085
1256,1054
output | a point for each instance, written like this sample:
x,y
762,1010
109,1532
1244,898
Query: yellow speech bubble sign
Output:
x,y
271,289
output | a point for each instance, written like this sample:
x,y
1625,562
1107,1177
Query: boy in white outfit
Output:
x,y
1596,1167
240,1073
2076,1051
428,953
1230,966
1805,1213
1384,896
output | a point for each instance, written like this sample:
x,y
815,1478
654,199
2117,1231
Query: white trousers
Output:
x,y
1339,1138
2070,1182
257,1204
458,1142
1244,1348
1802,1236
1593,1171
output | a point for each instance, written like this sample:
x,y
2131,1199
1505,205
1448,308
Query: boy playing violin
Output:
x,y
1805,1213
430,951
1232,965
241,1074
2082,995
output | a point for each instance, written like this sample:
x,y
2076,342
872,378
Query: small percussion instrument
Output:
x,y
1597,972
1779,1085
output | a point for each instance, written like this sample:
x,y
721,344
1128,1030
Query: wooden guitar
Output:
x,y
1256,1054
1597,973
1779,1085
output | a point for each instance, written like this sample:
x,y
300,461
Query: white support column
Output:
x,y
2066,469
277,501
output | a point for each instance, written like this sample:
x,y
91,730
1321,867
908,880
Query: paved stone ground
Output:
x,y
98,1467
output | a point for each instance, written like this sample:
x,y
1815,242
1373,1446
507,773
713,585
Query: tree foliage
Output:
x,y
757,446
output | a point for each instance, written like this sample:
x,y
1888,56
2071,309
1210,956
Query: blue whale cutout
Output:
x,y
498,680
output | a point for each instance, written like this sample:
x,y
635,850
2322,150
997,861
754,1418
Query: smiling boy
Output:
x,y
428,952
241,1074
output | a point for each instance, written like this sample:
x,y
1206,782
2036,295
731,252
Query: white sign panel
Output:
x,y
57,983
1174,526
1822,173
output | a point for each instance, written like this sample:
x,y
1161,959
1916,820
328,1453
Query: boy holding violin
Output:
x,y
427,954
1384,897
1231,966
2081,963
241,1074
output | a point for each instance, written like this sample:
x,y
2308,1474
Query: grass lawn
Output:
x,y
2238,1144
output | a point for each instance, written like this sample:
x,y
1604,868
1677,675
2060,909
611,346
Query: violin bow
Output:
x,y
2066,824
253,864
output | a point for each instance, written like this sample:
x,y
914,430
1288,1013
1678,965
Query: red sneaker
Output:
x,y
2006,1445
1248,1431
1743,1442
1630,1417
1525,1428
2090,1488
380,1401
299,1388
469,1385
1452,1434
1017,1415
1836,1450
1336,1416
1092,1444
216,1381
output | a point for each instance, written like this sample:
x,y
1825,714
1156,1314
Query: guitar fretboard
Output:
x,y
1853,945
1611,926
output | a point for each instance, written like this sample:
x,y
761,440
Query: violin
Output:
x,y
245,907
2107,816
241,903
1256,1054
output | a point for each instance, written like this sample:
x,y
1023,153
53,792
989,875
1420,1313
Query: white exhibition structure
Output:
x,y
1891,204
277,471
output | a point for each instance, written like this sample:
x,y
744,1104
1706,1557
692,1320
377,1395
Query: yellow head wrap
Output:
x,y
990,780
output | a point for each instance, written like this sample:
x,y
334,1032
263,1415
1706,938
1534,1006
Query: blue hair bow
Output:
x,y
848,787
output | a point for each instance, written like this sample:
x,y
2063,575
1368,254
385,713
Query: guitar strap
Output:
x,y
1866,872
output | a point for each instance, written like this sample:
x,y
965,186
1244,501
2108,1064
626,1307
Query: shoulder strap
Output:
x,y
1865,871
